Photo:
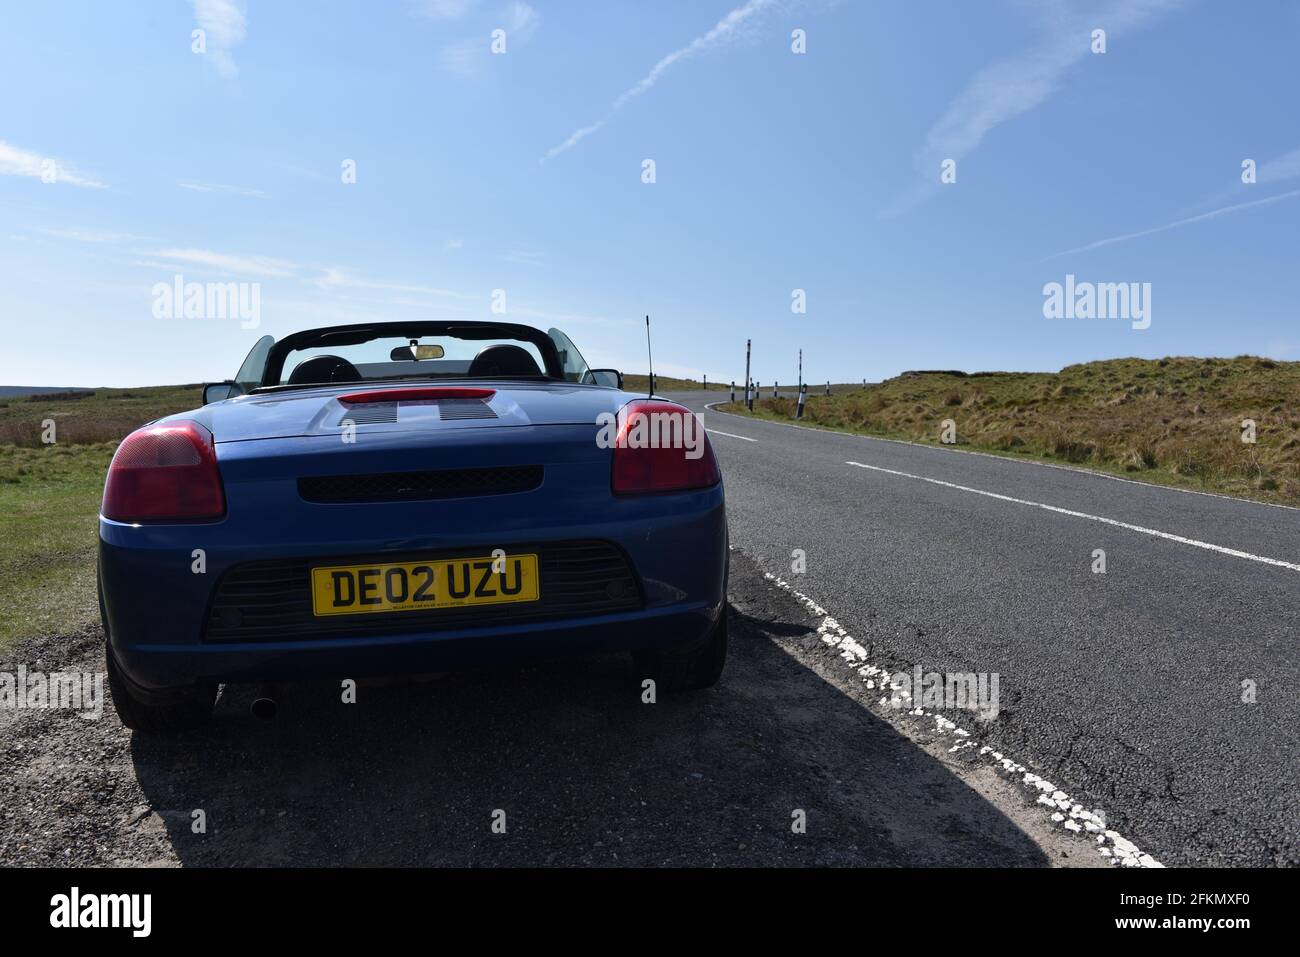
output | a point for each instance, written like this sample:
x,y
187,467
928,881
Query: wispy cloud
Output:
x,y
1269,172
1283,168
222,188
225,27
338,279
225,262
1008,88
724,30
465,57
15,161
1212,214
94,236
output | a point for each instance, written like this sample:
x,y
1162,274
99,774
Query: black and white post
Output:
x,y
749,399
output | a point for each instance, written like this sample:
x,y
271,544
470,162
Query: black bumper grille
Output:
x,y
271,600
419,486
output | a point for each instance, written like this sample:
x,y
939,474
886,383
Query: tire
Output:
x,y
689,667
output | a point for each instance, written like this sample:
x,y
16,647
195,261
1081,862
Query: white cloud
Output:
x,y
1212,214
1283,168
1008,88
221,188
94,236
224,23
465,57
223,262
337,279
15,161
454,244
725,29
525,311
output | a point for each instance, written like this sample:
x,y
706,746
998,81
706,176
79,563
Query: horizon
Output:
x,y
739,380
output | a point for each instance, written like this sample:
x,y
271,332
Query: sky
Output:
x,y
353,162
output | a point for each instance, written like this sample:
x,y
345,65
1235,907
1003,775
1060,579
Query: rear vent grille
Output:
x,y
453,410
271,600
370,413
419,486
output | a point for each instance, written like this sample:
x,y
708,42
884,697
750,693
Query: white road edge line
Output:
x,y
730,435
1067,812
713,407
1235,553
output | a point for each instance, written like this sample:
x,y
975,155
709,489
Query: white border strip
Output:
x,y
1071,815
1209,546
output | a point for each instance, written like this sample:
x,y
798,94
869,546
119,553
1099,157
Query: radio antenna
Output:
x,y
650,355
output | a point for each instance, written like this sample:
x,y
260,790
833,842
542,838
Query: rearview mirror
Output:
x,y
611,378
415,352
218,391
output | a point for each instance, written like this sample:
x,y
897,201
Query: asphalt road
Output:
x,y
1124,688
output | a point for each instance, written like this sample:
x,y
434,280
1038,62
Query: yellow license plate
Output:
x,y
412,586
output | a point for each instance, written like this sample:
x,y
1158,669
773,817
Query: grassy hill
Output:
x,y
1174,421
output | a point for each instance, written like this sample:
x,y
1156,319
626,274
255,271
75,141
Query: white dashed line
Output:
x,y
1209,546
947,449
743,438
1066,811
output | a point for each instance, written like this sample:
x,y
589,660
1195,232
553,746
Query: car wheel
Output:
x,y
161,713
689,667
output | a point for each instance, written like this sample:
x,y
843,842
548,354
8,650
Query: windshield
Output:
x,y
374,361
401,351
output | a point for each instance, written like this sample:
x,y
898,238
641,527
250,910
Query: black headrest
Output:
x,y
503,360
324,369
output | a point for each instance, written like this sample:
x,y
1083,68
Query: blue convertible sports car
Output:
x,y
394,498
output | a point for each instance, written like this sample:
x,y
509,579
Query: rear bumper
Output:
x,y
156,605
161,666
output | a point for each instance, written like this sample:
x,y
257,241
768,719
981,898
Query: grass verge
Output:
x,y
49,503
1175,421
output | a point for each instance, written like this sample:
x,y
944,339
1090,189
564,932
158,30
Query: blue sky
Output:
x,y
774,171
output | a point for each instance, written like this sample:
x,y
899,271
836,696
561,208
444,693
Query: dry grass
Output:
x,y
1175,421
87,418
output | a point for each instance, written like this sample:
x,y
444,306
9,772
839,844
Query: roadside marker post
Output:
x,y
706,383
733,390
775,386
749,399
828,387
803,392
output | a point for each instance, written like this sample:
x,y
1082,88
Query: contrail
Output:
x,y
724,29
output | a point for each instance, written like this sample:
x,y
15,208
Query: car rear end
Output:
x,y
372,492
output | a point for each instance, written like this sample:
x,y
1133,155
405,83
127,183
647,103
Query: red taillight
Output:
x,y
416,395
165,473
661,447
